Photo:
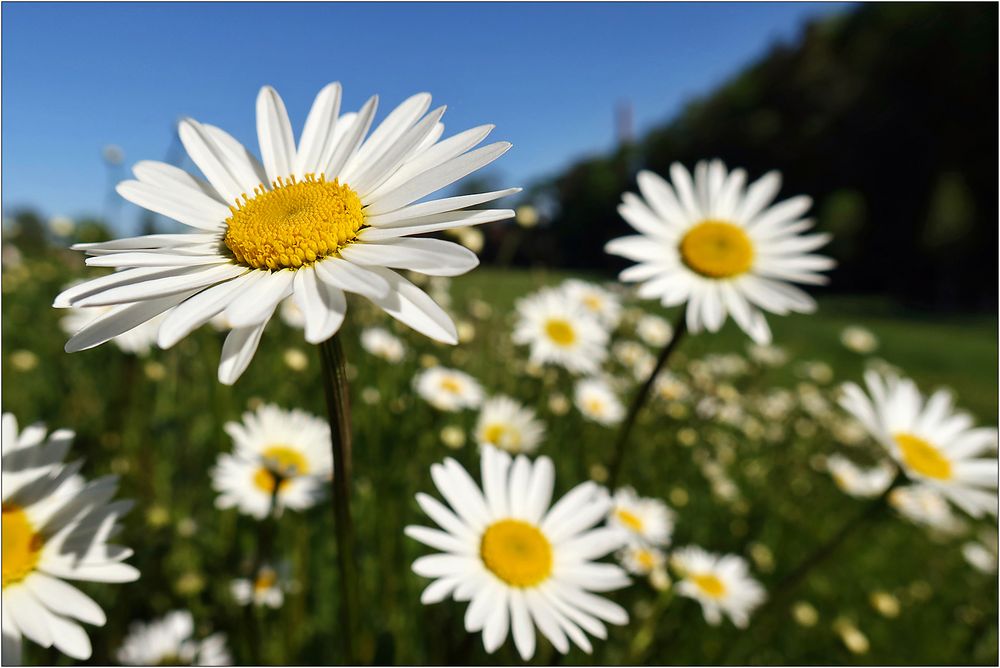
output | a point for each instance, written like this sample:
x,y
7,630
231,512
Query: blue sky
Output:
x,y
79,76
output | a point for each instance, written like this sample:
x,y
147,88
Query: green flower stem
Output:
x,y
765,617
639,400
338,406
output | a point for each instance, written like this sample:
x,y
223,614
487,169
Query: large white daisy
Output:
x,y
520,563
720,583
560,331
279,454
56,527
718,246
336,213
932,442
509,425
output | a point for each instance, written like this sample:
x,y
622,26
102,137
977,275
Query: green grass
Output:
x,y
162,437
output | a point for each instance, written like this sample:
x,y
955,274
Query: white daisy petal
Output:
x,y
274,132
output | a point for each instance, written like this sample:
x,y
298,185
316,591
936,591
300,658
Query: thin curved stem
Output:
x,y
639,400
338,406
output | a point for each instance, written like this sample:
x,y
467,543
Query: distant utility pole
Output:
x,y
623,123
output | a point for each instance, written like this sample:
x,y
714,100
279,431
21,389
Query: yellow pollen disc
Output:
x,y
645,559
923,457
710,585
595,406
293,224
451,385
265,580
21,545
592,302
717,249
629,520
280,461
501,434
561,332
517,553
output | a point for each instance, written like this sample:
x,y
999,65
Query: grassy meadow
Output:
x,y
156,421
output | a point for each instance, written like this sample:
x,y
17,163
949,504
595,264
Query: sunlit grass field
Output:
x,y
157,422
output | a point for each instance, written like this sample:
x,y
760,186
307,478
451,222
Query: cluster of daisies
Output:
x,y
344,210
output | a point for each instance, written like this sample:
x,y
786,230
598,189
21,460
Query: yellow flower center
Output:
x,y
594,406
501,435
645,559
517,553
710,585
628,519
293,224
717,249
266,579
923,457
21,545
593,302
451,385
280,463
560,331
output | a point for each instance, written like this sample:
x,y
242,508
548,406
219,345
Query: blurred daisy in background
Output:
x,y
720,583
169,641
291,314
136,341
266,588
336,213
509,425
600,302
859,339
982,554
381,343
653,330
560,332
56,527
448,389
280,455
720,247
520,563
642,519
635,357
596,401
857,481
932,442
641,559
927,507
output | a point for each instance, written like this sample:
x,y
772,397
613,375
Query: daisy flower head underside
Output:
x,y
720,246
520,563
280,457
56,527
933,443
336,213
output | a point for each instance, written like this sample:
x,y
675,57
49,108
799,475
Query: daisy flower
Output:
x,y
635,357
603,304
720,583
859,339
925,506
560,331
56,527
654,330
643,520
136,341
520,563
641,559
337,212
278,454
509,425
448,389
379,342
264,589
933,443
716,245
856,481
169,642
595,399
